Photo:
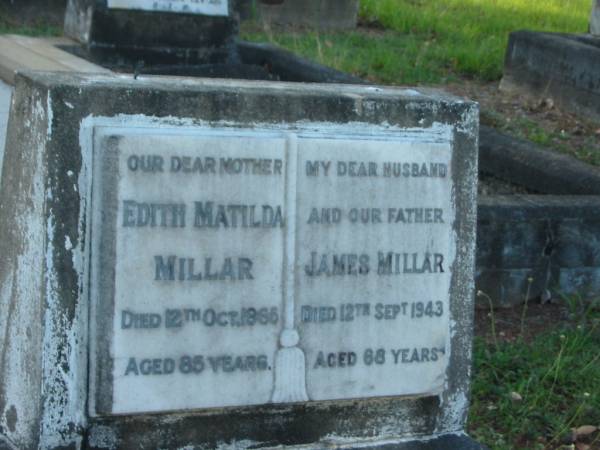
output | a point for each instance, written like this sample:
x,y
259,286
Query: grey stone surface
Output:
x,y
543,244
563,67
5,95
322,14
595,18
47,235
5,444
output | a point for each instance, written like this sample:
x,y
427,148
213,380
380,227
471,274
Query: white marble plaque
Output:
x,y
233,267
205,7
375,248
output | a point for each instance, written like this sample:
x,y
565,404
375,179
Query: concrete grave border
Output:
x,y
45,240
545,244
565,67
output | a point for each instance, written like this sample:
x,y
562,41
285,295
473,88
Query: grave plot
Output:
x,y
248,264
192,270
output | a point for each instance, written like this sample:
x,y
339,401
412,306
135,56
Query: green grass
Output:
x,y
383,57
426,41
558,377
31,30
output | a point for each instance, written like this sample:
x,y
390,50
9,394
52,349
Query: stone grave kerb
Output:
x,y
46,234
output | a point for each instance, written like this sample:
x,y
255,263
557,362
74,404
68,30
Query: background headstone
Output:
x,y
595,19
323,14
563,67
201,31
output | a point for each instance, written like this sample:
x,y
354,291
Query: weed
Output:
x,y
482,294
555,375
580,310
524,311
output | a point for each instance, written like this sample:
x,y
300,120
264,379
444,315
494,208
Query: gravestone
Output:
x,y
322,14
197,38
595,19
560,66
201,31
209,263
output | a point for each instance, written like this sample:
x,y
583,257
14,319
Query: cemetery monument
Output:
x,y
321,14
561,66
210,263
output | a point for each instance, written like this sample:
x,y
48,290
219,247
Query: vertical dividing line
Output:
x,y
290,235
290,361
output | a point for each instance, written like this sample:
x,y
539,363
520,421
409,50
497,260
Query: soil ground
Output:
x,y
536,119
539,318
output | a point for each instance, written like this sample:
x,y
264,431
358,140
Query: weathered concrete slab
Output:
x,y
28,53
544,245
565,67
79,125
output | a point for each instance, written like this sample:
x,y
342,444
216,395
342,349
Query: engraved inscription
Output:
x,y
375,224
260,263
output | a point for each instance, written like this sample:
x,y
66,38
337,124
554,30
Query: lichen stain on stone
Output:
x,y
103,437
11,418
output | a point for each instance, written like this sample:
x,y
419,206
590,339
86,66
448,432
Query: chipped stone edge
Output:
x,y
63,391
